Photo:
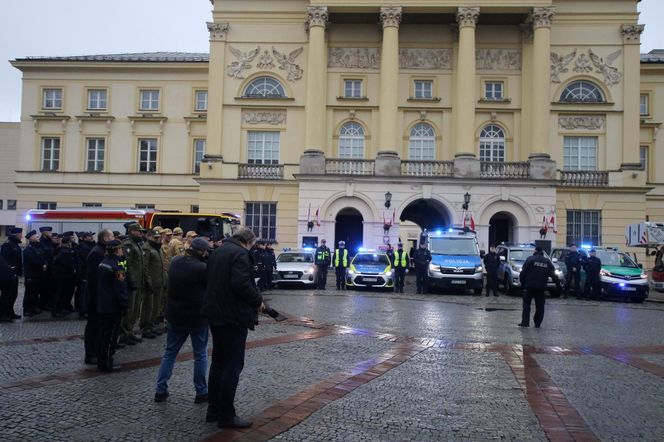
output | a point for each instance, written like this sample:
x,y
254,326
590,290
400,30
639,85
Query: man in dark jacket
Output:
x,y
231,305
491,263
64,272
112,301
258,254
421,259
573,264
48,247
11,251
187,281
593,266
322,259
85,245
534,277
270,263
34,269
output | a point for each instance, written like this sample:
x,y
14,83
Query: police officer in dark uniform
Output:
x,y
85,245
112,302
340,262
534,276
258,252
34,269
573,264
270,264
491,263
64,271
13,255
400,263
422,258
593,266
48,247
322,259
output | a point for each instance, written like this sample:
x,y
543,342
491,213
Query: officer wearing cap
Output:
x,y
64,274
322,260
85,245
534,276
112,301
11,252
340,263
593,267
48,246
177,243
154,281
400,261
270,263
34,269
133,252
166,250
189,238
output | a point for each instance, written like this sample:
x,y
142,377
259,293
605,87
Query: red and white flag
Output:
x,y
472,222
552,224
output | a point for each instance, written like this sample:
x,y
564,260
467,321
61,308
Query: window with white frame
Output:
x,y
262,219
264,87
97,99
492,143
147,155
91,205
47,205
199,151
52,99
644,105
352,88
643,157
263,147
50,150
493,90
580,153
149,100
584,227
582,92
351,141
201,101
422,142
95,154
424,89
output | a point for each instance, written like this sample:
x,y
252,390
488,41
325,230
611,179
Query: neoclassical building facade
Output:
x,y
366,121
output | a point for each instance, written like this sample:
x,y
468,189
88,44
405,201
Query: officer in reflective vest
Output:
x,y
340,263
322,261
400,265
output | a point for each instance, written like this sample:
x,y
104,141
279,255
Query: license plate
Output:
x,y
290,276
458,282
629,289
370,279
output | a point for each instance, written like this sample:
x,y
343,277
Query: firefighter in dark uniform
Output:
x,y
112,302
13,255
64,272
340,263
400,263
491,264
322,259
85,245
593,266
422,258
34,269
47,289
534,276
270,263
573,264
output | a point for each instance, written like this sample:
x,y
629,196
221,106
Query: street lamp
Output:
x,y
466,201
388,199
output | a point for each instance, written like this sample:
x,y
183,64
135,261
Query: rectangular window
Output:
x,y
584,227
11,204
424,89
50,154
643,157
493,90
149,100
201,104
262,219
580,153
143,206
193,208
644,105
97,99
2,204
91,204
147,155
199,151
352,88
95,157
52,99
47,205
263,147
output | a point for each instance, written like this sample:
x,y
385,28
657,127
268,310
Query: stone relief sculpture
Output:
x,y
559,65
420,58
498,59
265,61
587,122
264,117
287,63
353,58
244,59
584,65
611,74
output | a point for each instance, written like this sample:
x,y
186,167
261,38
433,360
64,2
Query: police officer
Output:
x,y
112,302
422,258
573,264
534,276
491,263
85,245
48,247
34,269
340,263
133,252
322,260
270,263
400,261
258,253
64,274
593,266
154,281
13,255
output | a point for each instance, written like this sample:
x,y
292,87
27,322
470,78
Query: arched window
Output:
x,y
264,87
422,142
351,141
582,92
492,144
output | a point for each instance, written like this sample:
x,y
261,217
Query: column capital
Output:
x,y
390,16
218,31
542,17
317,16
527,33
467,16
631,34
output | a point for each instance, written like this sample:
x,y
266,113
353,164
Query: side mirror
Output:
x,y
554,260
502,259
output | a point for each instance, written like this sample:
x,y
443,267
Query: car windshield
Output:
x,y
521,255
615,259
371,258
295,257
454,246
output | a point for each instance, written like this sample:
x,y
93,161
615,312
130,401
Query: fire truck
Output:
x,y
94,220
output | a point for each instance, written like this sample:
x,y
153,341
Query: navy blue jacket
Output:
x,y
94,258
536,271
187,282
34,261
11,251
112,295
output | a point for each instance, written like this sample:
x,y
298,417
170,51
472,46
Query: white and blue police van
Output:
x,y
455,260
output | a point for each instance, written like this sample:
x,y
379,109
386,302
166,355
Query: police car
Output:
x,y
370,268
512,258
295,267
455,260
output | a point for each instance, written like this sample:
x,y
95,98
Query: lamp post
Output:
x,y
466,201
388,199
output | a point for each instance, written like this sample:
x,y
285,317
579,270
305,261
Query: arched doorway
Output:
x,y
348,227
501,228
427,214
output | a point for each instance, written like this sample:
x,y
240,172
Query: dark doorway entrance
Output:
x,y
348,228
501,228
427,213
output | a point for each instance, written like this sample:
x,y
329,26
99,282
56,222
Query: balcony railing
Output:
x,y
342,166
427,168
499,169
261,171
585,178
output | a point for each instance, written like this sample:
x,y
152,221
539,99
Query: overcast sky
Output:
x,y
78,27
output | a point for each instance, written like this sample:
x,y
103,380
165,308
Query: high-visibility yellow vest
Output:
x,y
344,258
400,259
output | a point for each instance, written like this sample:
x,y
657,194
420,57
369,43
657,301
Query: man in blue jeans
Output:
x,y
187,280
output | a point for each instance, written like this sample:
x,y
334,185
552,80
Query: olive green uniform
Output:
x,y
154,280
134,254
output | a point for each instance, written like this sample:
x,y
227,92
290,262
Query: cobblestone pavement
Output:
x,y
362,366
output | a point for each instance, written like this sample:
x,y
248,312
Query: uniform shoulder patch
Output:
x,y
120,275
